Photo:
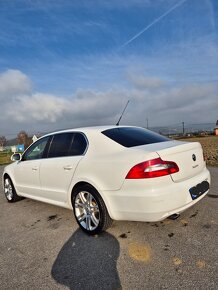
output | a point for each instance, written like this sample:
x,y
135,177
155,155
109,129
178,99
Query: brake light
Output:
x,y
152,168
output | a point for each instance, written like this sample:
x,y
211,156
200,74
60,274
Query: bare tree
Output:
x,y
2,141
22,138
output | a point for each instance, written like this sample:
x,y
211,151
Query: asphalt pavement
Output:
x,y
41,247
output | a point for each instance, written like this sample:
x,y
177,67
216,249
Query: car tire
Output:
x,y
9,190
89,210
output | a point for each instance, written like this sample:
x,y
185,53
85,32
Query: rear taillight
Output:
x,y
152,168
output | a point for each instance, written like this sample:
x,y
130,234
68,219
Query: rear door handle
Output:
x,y
68,167
34,168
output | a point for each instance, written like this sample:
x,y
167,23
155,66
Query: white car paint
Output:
x,y
55,175
105,165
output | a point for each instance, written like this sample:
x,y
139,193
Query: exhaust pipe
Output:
x,y
174,216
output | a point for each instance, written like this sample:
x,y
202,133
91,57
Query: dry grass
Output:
x,y
5,158
210,147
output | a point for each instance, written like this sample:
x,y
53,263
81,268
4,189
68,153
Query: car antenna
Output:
x,y
118,123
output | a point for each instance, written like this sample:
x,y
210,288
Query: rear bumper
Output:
x,y
152,200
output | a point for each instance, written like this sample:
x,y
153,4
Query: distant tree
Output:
x,y
2,141
22,138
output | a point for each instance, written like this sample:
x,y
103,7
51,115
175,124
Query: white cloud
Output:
x,y
14,82
143,82
163,104
37,107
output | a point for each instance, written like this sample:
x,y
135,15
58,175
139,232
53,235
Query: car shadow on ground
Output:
x,y
87,262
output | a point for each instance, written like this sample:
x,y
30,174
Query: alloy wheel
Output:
x,y
87,211
8,189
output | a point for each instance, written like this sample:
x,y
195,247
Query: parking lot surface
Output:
x,y
41,247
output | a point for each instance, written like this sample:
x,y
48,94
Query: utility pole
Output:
x,y
183,128
147,122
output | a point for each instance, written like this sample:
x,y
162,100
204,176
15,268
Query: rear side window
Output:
x,y
131,137
60,145
78,145
67,144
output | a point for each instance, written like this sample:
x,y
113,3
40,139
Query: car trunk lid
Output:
x,y
187,155
189,158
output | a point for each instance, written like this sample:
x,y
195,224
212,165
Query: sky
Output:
x,y
66,64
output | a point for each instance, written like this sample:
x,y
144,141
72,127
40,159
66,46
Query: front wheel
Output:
x,y
10,192
90,211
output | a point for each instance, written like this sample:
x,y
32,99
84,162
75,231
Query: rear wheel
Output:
x,y
90,211
10,192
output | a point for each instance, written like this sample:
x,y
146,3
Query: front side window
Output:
x,y
36,151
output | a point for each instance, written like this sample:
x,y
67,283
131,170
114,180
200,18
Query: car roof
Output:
x,y
88,130
97,141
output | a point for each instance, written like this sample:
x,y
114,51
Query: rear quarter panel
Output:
x,y
108,171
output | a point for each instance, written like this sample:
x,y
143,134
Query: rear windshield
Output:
x,y
131,137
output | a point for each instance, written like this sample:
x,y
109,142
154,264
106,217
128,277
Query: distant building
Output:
x,y
13,149
34,138
216,128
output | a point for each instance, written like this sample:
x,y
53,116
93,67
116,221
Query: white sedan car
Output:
x,y
106,173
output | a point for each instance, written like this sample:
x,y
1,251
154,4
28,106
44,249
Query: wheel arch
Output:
x,y
8,172
82,183
4,176
78,184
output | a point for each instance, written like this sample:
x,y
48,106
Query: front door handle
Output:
x,y
35,168
68,167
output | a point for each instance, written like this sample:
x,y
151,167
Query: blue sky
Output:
x,y
77,58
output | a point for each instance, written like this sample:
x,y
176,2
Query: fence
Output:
x,y
185,128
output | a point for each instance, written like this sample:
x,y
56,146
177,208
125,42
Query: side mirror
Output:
x,y
16,157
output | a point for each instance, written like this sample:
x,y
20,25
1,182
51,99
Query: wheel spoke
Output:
x,y
94,207
94,220
81,217
79,204
88,222
82,198
89,199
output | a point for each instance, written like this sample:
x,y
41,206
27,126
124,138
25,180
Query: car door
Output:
x,y
57,170
27,170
